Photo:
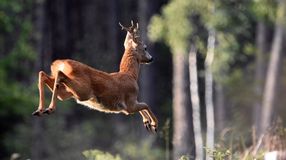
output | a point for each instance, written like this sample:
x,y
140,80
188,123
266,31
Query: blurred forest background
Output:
x,y
216,85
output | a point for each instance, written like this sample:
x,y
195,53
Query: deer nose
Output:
x,y
151,60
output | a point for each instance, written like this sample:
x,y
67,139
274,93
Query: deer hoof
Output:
x,y
48,111
147,126
154,128
37,113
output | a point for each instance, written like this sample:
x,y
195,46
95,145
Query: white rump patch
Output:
x,y
62,67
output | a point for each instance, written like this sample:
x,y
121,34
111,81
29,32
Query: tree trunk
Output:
x,y
209,92
195,103
60,29
219,107
272,72
146,77
259,73
112,26
37,148
181,115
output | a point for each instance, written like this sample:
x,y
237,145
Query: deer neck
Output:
x,y
129,64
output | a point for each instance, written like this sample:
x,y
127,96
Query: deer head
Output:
x,y
134,42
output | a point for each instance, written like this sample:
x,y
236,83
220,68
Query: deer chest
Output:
x,y
95,103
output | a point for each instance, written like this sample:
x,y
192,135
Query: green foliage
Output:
x,y
8,10
235,39
220,19
166,135
233,145
19,138
57,140
218,153
17,57
17,63
224,56
139,149
263,10
173,27
184,157
223,153
15,100
157,29
184,21
99,155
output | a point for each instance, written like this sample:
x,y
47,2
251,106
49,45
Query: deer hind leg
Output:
x,y
63,94
58,90
49,81
45,79
77,90
144,110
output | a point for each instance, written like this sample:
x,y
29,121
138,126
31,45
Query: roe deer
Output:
x,y
106,92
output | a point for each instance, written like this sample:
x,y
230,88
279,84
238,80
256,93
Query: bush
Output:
x,y
99,155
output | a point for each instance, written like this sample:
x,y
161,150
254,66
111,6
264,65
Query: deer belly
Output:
x,y
94,104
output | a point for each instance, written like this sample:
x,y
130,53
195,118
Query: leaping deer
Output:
x,y
107,92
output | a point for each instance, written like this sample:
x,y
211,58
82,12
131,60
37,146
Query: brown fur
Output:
x,y
107,92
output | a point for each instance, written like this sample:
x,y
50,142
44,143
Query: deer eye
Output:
x,y
145,48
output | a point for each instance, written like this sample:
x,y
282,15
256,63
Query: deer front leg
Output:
x,y
146,112
154,121
146,120
49,81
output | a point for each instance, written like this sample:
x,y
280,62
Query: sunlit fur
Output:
x,y
107,92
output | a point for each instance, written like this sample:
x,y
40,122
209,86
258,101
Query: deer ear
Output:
x,y
128,39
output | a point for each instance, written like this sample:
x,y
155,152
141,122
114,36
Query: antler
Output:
x,y
133,30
